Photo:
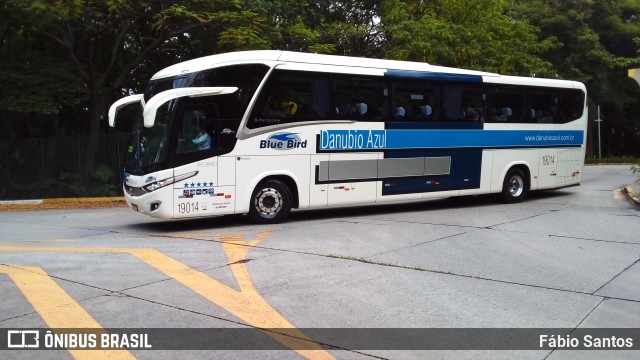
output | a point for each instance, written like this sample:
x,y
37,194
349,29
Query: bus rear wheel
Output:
x,y
515,186
270,202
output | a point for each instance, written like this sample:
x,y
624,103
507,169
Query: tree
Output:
x,y
105,41
345,27
596,41
480,35
33,80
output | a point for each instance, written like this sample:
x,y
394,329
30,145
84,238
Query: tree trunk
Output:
x,y
96,110
51,146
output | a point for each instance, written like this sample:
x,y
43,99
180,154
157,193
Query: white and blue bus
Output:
x,y
264,132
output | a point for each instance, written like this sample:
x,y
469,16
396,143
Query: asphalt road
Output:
x,y
564,259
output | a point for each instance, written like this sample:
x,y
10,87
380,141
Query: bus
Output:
x,y
265,132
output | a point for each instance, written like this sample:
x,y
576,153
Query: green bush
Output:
x,y
612,160
66,185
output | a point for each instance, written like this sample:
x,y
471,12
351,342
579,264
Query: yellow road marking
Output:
x,y
57,308
246,304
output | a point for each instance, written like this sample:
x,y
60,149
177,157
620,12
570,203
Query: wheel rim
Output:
x,y
268,202
516,185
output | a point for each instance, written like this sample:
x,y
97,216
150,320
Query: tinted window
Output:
x,y
507,105
462,103
543,106
559,106
361,98
570,105
414,100
245,77
158,86
292,97
196,128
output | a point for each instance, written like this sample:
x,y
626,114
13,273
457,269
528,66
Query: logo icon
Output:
x,y
23,339
283,141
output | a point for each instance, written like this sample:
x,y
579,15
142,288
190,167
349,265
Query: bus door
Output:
x,y
198,194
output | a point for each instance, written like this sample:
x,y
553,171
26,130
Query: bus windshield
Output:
x,y
163,145
149,145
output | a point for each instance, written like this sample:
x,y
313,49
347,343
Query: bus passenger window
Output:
x,y
463,103
507,105
361,98
290,97
416,97
543,108
271,108
570,105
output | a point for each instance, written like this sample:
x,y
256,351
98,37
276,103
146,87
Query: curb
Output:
x,y
83,200
63,201
632,195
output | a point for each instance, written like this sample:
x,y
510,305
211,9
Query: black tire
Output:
x,y
515,186
270,202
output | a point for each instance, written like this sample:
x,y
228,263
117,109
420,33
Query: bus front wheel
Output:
x,y
270,202
515,186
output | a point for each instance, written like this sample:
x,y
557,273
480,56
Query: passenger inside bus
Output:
x,y
202,140
472,114
357,110
289,107
194,133
426,112
501,114
272,109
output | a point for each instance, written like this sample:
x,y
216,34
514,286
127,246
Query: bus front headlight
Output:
x,y
166,182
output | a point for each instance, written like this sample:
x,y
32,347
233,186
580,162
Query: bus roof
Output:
x,y
272,57
344,64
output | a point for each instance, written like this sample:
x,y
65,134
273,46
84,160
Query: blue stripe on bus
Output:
x,y
437,76
355,140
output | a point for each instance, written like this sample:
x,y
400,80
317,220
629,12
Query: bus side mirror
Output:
x,y
151,107
113,109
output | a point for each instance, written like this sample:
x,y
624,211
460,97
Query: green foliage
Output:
x,y
343,27
33,82
71,185
67,185
595,43
478,35
103,173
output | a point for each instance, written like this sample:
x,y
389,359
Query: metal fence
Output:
x,y
50,167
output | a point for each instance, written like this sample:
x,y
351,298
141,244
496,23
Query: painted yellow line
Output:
x,y
57,308
246,304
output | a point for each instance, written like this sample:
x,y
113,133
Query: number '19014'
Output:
x,y
188,207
